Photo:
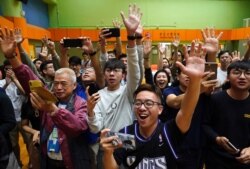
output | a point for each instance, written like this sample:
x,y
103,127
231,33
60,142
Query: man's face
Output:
x,y
49,71
125,61
38,64
88,75
75,67
147,116
113,78
63,86
225,59
165,63
161,80
239,79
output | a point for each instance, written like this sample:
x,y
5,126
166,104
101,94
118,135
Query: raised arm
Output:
x,y
211,43
95,62
194,69
247,54
133,72
118,46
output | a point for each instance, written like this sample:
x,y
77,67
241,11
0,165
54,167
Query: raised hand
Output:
x,y
139,30
7,42
211,40
176,41
195,62
235,56
87,45
18,35
147,47
117,23
133,20
162,48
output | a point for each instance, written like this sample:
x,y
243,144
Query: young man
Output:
x,y
155,141
227,119
106,108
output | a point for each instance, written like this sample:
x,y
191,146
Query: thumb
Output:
x,y
122,15
181,66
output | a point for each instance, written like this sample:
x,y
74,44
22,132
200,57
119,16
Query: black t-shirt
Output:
x,y
158,151
28,112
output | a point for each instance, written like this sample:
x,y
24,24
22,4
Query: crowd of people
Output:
x,y
180,116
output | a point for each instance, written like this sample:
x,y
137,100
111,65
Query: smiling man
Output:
x,y
155,141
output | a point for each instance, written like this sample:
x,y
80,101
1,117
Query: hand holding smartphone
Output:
x,y
128,140
236,150
113,32
36,86
211,67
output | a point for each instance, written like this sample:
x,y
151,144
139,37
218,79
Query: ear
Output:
x,y
160,110
74,85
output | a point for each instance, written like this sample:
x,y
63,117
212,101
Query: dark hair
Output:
x,y
115,63
123,55
161,71
75,60
182,56
43,66
222,52
150,88
37,59
242,64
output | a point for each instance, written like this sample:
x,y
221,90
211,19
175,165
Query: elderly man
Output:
x,y
62,124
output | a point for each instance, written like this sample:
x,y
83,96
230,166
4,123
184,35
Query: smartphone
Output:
x,y
233,147
211,67
92,88
73,43
115,32
128,140
37,86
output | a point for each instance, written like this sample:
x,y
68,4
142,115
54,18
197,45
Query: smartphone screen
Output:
x,y
233,147
73,43
211,67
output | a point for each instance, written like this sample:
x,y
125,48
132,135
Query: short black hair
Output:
x,y
115,63
161,71
241,64
37,59
222,52
43,66
75,60
123,55
150,88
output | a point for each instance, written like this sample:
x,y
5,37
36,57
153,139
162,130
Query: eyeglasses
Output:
x,y
116,70
146,103
64,84
238,73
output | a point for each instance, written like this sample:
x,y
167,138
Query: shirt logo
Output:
x,y
149,163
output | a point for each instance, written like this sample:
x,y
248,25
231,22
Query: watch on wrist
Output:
x,y
138,36
131,37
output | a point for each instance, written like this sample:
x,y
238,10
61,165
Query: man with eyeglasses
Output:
x,y
63,124
228,121
156,142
